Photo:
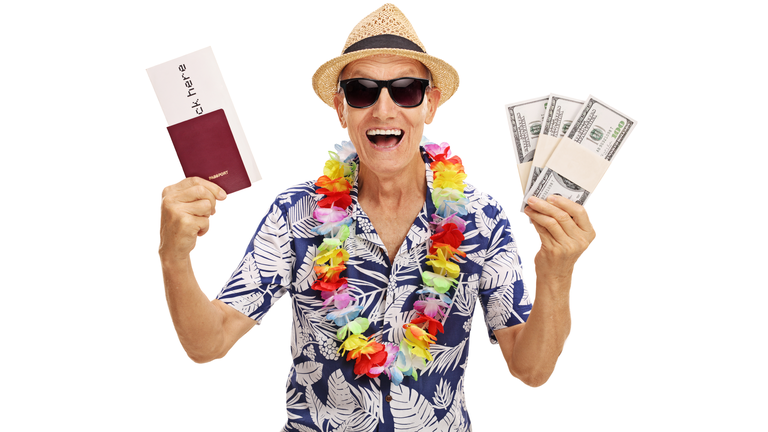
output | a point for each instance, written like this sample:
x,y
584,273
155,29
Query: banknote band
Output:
x,y
524,170
544,148
578,164
551,183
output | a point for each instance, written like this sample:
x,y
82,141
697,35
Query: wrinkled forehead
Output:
x,y
384,67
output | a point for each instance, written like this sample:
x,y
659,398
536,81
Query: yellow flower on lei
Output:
x,y
335,256
440,262
449,180
419,340
353,342
443,166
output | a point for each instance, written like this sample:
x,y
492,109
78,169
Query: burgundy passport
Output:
x,y
207,149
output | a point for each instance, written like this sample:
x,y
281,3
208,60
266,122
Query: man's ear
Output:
x,y
338,104
433,100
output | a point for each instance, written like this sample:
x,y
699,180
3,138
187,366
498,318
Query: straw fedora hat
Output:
x,y
385,31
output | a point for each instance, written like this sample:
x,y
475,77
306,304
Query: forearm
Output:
x,y
531,351
198,322
538,343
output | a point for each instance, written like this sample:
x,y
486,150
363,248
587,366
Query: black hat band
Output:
x,y
383,41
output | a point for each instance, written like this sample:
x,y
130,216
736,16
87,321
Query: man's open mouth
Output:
x,y
385,138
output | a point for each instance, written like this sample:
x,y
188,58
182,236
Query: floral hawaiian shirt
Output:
x,y
323,393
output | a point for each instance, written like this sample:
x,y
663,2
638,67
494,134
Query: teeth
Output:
x,y
396,132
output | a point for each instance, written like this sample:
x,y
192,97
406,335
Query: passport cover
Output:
x,y
192,85
206,148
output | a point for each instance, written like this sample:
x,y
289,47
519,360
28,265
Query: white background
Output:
x,y
668,325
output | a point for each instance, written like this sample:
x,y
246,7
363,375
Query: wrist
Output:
x,y
171,260
553,285
552,274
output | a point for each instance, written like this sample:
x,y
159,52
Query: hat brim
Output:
x,y
326,79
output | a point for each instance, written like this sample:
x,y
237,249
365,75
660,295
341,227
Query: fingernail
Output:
x,y
552,198
533,199
222,194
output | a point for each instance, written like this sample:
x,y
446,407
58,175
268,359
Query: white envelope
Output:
x,y
192,85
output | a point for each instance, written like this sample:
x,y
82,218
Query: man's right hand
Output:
x,y
186,207
206,329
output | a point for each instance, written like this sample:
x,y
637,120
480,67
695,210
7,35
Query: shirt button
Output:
x,y
388,398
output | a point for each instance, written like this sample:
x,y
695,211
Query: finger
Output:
x,y
546,237
204,224
215,189
189,200
549,229
176,187
190,182
575,210
199,190
200,208
555,220
191,225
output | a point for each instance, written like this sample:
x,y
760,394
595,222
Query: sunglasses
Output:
x,y
364,92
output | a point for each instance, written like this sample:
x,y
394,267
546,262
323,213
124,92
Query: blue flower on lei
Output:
x,y
346,151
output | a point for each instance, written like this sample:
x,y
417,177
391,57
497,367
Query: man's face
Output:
x,y
386,154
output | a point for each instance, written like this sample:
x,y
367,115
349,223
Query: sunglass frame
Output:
x,y
388,84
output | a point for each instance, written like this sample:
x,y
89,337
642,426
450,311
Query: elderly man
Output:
x,y
384,257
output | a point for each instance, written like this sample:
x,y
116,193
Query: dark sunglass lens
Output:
x,y
361,93
407,92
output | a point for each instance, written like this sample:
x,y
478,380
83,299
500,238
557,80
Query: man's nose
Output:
x,y
385,107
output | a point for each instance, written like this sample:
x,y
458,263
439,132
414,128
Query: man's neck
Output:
x,y
392,202
390,191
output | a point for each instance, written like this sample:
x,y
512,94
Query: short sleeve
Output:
x,y
265,272
503,295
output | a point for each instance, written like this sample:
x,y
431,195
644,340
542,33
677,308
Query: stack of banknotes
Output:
x,y
565,145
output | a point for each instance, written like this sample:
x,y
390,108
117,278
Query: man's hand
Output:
x,y
206,329
186,207
531,349
565,233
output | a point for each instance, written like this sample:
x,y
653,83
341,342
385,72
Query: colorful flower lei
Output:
x,y
373,358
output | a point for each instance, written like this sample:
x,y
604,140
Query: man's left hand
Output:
x,y
565,233
531,349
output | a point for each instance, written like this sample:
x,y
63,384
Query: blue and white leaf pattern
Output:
x,y
411,411
272,248
292,427
446,358
305,275
317,410
308,373
361,250
293,401
465,297
398,315
300,217
322,392
453,419
443,395
341,404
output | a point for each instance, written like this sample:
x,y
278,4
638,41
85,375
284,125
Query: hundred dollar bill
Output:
x,y
524,119
601,128
558,117
552,183
584,154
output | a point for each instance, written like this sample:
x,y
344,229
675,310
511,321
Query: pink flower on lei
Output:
x,y
339,297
